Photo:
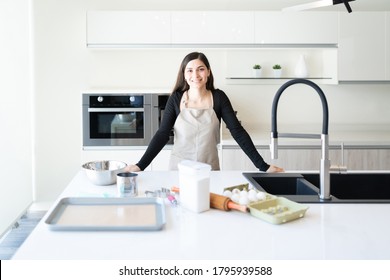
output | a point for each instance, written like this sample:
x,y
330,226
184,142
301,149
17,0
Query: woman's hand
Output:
x,y
274,169
132,168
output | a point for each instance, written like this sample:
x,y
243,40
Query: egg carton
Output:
x,y
277,210
263,197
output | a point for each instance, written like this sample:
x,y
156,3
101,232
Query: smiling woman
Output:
x,y
194,111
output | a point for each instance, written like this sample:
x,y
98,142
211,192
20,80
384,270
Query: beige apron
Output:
x,y
196,135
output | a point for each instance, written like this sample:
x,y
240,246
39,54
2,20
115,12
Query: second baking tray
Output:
x,y
278,210
110,214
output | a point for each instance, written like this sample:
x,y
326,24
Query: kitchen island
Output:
x,y
327,231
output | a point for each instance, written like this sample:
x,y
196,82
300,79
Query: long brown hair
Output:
x,y
181,85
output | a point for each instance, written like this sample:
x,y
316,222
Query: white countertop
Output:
x,y
332,231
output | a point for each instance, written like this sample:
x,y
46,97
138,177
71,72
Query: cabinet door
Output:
x,y
305,158
290,159
212,27
367,159
362,46
296,28
129,156
236,159
302,159
161,161
388,44
128,27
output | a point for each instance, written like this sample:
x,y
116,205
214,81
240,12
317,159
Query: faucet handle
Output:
x,y
274,147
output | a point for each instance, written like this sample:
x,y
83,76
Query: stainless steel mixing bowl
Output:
x,y
103,172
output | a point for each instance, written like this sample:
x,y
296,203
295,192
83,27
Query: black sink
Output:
x,y
283,184
344,188
356,186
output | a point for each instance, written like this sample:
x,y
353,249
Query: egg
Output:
x,y
243,200
244,193
252,192
261,196
236,191
227,193
235,197
252,197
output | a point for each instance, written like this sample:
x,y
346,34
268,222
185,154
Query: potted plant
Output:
x,y
277,70
257,70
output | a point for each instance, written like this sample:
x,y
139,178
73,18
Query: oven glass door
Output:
x,y
118,126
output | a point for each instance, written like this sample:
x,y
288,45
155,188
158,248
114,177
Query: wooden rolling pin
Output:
x,y
224,203
220,202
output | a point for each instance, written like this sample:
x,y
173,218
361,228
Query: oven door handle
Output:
x,y
115,110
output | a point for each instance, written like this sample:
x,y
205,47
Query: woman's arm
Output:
x,y
161,138
224,106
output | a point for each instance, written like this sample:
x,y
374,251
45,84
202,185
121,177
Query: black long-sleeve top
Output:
x,y
223,109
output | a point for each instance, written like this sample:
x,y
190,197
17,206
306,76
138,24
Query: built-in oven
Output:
x,y
111,120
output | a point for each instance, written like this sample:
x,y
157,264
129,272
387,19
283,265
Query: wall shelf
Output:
x,y
321,65
272,80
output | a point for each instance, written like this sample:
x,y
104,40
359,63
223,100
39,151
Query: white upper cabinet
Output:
x,y
362,46
388,45
296,27
141,28
128,27
212,27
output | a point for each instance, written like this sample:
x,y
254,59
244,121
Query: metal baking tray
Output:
x,y
107,214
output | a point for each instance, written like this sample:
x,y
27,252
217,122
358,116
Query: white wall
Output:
x,y
65,67
16,173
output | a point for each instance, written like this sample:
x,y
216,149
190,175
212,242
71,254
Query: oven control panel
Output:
x,y
117,101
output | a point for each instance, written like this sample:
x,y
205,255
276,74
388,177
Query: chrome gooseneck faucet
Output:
x,y
325,162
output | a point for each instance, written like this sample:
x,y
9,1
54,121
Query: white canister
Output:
x,y
194,180
126,183
301,68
